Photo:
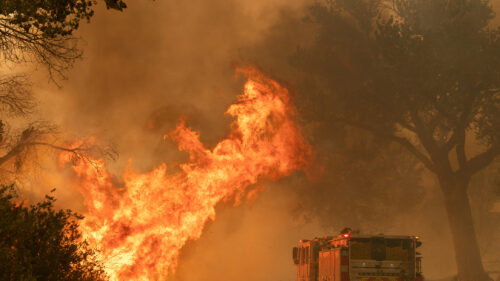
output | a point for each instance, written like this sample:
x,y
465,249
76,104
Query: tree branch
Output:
x,y
402,141
460,148
16,150
480,161
408,126
459,130
420,156
15,95
80,152
56,53
427,140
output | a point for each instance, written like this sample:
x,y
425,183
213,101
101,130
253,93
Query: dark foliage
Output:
x,y
40,243
51,18
42,31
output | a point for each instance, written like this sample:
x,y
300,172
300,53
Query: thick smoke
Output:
x,y
151,65
158,61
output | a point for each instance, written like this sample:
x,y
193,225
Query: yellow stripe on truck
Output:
x,y
378,278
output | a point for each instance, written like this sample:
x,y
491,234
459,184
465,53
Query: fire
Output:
x,y
140,228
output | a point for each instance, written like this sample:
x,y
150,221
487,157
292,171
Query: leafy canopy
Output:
x,y
41,31
39,243
51,18
422,73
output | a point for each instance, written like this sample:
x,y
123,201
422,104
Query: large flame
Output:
x,y
140,228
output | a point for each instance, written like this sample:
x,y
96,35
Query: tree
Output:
x,y
40,33
484,192
361,184
39,243
424,74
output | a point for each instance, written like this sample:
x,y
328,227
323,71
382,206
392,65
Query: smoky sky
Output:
x,y
158,61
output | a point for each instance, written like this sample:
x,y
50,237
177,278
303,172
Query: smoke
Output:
x,y
145,68
158,61
250,242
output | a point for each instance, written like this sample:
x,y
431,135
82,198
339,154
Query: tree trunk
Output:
x,y
467,255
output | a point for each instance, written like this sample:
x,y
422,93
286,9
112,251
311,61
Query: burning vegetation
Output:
x,y
139,228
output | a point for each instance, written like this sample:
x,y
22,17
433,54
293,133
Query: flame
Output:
x,y
140,228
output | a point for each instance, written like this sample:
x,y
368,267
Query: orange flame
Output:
x,y
139,230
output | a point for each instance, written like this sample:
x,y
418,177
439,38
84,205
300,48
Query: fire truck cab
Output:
x,y
355,257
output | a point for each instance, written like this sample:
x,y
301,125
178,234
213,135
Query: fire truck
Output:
x,y
355,257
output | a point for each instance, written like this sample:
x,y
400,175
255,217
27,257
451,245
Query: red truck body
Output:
x,y
354,257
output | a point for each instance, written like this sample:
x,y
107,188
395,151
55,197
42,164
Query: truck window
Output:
x,y
378,248
360,249
398,249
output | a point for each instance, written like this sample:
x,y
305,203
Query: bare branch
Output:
x,y
35,136
480,161
16,150
460,148
84,151
426,138
15,95
407,125
461,123
31,133
56,53
420,156
400,140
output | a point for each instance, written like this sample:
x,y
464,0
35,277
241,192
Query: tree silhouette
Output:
x,y
424,74
37,33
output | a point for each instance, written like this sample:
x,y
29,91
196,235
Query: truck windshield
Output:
x,y
379,248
